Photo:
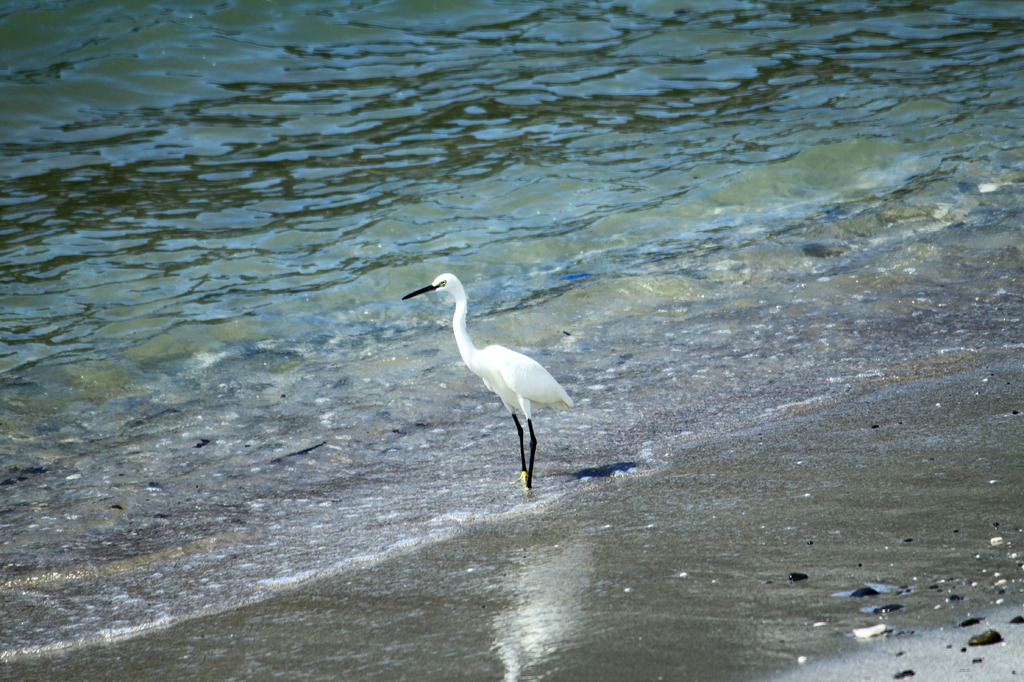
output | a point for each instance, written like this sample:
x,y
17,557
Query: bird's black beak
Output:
x,y
419,291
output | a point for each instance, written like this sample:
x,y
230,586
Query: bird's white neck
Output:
x,y
466,348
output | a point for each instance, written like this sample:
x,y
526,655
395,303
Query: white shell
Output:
x,y
872,631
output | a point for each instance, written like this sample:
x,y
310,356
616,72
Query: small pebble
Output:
x,y
864,592
903,675
1017,620
970,621
796,577
985,638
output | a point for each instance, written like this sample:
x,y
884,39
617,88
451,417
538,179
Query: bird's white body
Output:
x,y
520,381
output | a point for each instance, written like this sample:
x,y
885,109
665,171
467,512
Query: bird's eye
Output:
x,y
442,283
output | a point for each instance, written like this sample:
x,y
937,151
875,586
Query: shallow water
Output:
x,y
696,219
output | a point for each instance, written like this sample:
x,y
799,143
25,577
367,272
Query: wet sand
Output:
x,y
692,572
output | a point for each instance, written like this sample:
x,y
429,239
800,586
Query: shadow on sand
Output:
x,y
605,471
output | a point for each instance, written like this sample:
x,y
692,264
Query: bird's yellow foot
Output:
x,y
522,479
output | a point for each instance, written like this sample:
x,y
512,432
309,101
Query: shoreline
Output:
x,y
900,486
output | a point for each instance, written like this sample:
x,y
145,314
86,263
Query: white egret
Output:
x,y
519,381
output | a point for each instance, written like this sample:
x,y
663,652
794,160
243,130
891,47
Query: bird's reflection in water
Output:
x,y
546,605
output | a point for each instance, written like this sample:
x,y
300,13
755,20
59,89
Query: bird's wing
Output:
x,y
527,377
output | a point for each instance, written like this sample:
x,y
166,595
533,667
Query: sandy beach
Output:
x,y
735,563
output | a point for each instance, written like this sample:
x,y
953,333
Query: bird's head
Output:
x,y
448,282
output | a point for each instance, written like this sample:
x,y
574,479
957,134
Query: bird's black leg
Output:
x,y
522,450
533,449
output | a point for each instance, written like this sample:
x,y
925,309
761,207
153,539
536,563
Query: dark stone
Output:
x,y
822,250
888,608
985,638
